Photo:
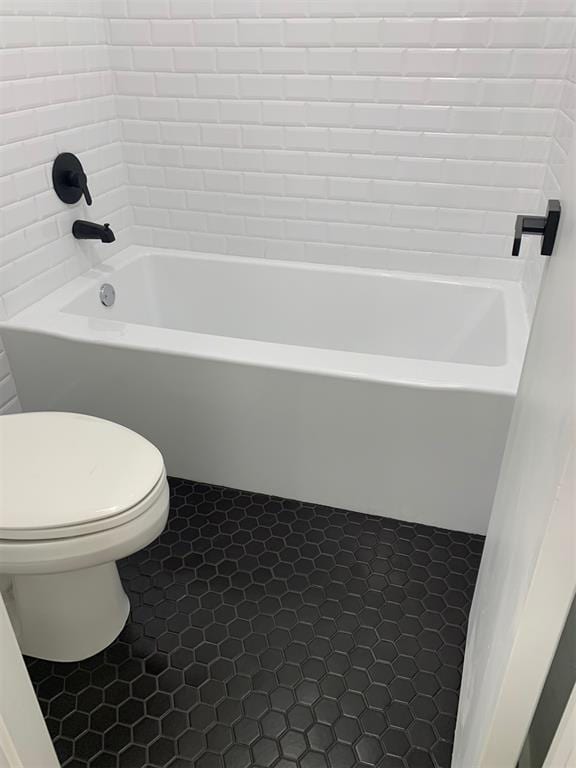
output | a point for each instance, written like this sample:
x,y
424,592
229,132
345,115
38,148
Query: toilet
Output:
x,y
77,494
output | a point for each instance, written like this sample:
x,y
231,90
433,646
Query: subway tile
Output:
x,y
178,133
242,159
134,83
453,91
353,89
266,228
214,32
220,136
279,8
429,62
284,60
406,33
506,92
423,118
375,116
329,164
265,184
183,178
476,120
355,32
260,32
262,136
460,33
157,109
287,208
528,121
216,86
241,204
516,33
405,90
379,61
181,85
197,110
193,59
147,9
540,63
222,181
171,33
187,220
183,9
330,61
261,87
125,32
305,186
156,154
360,213
333,113
351,140
246,246
236,8
475,62
349,189
308,138
308,32
308,87
240,112
285,113
238,60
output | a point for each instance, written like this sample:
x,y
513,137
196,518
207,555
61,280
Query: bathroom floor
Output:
x,y
267,632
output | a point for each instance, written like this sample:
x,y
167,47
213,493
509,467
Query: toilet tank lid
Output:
x,y
66,469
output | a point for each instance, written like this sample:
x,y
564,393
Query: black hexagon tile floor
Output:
x,y
273,633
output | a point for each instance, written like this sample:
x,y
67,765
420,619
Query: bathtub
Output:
x,y
381,392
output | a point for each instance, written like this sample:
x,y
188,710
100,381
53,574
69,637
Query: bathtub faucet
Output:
x,y
87,230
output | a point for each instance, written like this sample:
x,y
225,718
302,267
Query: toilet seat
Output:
x,y
68,475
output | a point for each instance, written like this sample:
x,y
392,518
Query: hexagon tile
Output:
x,y
273,633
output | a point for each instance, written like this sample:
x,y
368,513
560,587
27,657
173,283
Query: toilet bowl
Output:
x,y
77,494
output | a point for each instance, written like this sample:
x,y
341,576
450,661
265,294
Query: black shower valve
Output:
x,y
69,179
546,226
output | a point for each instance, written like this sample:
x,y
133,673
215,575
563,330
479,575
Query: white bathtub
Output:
x,y
385,393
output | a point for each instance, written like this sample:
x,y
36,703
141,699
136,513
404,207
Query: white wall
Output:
x,y
527,577
56,94
564,129
372,133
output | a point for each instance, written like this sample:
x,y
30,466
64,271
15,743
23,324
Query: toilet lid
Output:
x,y
62,470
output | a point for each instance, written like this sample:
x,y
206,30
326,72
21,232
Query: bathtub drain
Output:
x,y
107,294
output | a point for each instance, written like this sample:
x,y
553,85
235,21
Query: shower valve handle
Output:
x,y
547,226
79,179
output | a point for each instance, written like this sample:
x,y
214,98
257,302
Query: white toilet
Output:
x,y
76,494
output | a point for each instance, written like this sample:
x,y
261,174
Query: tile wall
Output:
x,y
56,94
330,131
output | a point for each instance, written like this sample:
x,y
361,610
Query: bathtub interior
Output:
x,y
315,306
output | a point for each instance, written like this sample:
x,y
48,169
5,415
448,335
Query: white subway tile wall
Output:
x,y
9,402
56,95
404,134
556,169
